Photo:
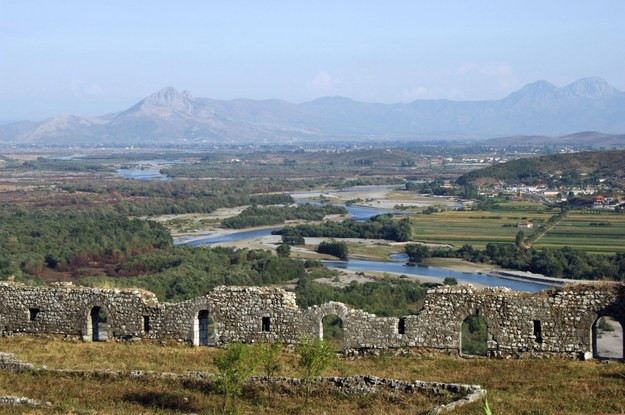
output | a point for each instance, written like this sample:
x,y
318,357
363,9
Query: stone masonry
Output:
x,y
548,323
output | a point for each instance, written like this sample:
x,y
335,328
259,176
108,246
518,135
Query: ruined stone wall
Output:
x,y
565,318
238,314
65,309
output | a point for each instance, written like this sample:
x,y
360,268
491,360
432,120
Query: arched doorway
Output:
x,y
607,338
332,330
204,329
474,336
98,325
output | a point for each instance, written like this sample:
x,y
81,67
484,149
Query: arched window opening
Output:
x,y
474,336
97,325
204,329
608,338
332,331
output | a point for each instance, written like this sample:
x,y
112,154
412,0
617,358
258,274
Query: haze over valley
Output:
x,y
172,117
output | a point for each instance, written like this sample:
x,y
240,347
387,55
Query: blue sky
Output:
x,y
91,58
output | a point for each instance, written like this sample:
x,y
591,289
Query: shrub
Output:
x,y
284,250
450,281
235,364
315,356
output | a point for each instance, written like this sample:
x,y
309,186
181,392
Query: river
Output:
x,y
401,267
142,174
358,213
229,237
397,265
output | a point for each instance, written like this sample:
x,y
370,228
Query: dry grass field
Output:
x,y
514,386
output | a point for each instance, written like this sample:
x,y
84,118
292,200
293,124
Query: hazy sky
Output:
x,y
90,58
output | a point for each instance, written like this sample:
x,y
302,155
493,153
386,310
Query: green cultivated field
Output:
x,y
590,232
598,233
476,228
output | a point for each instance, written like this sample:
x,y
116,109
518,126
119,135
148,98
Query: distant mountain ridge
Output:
x,y
170,116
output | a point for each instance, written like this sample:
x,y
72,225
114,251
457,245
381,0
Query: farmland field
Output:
x,y
476,228
586,231
591,232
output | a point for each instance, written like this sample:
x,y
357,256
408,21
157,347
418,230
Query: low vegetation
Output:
x,y
500,225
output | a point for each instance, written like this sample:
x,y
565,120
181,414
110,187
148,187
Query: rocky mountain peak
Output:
x,y
539,87
167,99
541,93
169,96
593,87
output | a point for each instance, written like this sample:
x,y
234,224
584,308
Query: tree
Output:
x,y
235,363
335,248
284,250
404,230
520,238
474,339
292,238
417,253
268,357
315,356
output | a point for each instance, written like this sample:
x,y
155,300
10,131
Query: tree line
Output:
x,y
397,298
271,215
564,262
377,227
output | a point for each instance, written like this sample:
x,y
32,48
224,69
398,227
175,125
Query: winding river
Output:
x,y
396,265
359,213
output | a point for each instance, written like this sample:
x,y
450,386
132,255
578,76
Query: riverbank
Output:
x,y
346,276
379,197
433,271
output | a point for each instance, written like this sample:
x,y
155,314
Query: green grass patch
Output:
x,y
577,231
475,228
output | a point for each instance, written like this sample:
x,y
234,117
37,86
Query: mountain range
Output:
x,y
172,117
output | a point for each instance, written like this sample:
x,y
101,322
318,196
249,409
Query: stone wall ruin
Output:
x,y
548,323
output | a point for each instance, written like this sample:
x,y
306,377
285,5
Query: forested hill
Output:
x,y
558,169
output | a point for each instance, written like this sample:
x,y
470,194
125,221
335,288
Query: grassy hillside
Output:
x,y
559,169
